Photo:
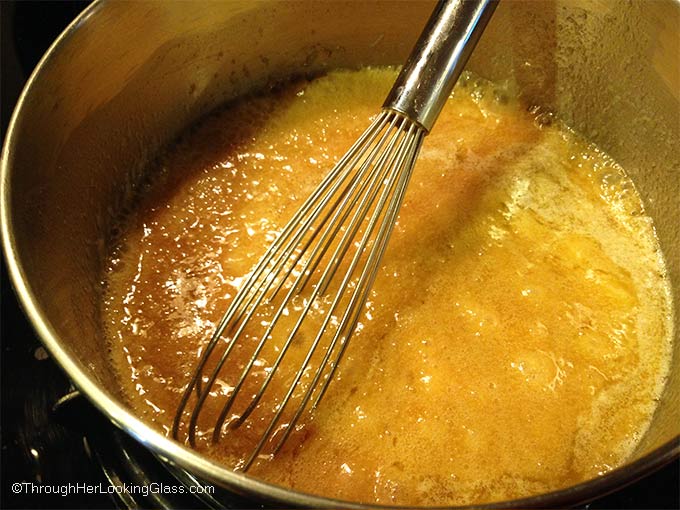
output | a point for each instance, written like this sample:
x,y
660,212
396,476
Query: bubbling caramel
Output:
x,y
517,336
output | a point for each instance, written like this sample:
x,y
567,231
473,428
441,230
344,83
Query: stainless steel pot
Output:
x,y
126,77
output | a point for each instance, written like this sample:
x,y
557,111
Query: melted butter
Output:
x,y
516,337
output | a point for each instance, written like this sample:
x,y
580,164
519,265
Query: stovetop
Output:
x,y
72,448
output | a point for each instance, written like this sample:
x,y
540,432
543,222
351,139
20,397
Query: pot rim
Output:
x,y
181,456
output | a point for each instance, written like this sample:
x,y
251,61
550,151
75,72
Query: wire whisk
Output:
x,y
318,274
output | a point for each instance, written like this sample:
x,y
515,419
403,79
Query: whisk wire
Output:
x,y
374,259
345,197
327,186
305,271
377,172
352,192
350,199
365,283
388,172
272,323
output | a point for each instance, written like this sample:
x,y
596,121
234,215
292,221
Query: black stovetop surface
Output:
x,y
43,446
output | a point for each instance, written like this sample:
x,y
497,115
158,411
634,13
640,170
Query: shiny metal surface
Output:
x,y
439,56
127,77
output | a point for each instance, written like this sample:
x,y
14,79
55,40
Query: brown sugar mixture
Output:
x,y
516,338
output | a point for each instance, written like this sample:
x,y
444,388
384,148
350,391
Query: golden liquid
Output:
x,y
517,335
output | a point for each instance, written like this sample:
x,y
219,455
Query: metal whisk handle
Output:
x,y
438,58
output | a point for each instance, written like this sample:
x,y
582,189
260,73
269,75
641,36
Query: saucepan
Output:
x,y
126,78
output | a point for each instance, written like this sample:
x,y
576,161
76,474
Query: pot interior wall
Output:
x,y
126,81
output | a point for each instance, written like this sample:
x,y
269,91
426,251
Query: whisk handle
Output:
x,y
438,58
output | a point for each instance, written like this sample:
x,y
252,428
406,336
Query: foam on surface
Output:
x,y
517,336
